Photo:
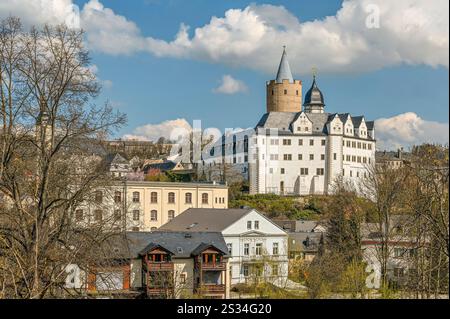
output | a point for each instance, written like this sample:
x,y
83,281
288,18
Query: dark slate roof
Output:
x,y
343,117
205,219
357,120
164,166
305,241
370,125
314,96
182,244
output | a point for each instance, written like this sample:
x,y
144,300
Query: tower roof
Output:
x,y
314,96
284,71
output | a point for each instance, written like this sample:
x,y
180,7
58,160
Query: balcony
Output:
x,y
160,266
218,266
211,288
159,291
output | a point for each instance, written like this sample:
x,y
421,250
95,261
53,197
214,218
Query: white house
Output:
x,y
257,246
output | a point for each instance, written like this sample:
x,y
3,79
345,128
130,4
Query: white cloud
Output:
x,y
411,32
230,85
171,129
407,129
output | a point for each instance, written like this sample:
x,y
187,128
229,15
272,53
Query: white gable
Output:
x,y
302,125
335,126
265,227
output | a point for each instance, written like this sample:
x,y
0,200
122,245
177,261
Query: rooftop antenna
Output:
x,y
314,72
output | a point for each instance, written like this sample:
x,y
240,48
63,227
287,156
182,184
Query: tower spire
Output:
x,y
284,70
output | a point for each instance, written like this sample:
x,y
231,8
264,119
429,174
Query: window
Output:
x,y
296,92
117,214
258,249
287,157
322,157
171,198
306,129
98,197
286,142
311,142
299,129
249,225
230,248
275,249
311,157
136,197
303,171
323,142
204,198
256,224
183,278
274,157
334,156
246,249
300,157
171,214
273,142
285,92
245,270
136,214
154,215
154,197
282,171
188,198
369,146
98,215
79,215
117,197
274,270
300,142
320,171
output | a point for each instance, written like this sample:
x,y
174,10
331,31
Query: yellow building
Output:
x,y
148,205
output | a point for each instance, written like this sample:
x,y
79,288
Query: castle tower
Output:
x,y
284,94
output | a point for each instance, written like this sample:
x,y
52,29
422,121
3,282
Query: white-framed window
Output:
x,y
258,249
171,214
154,215
256,224
275,249
136,214
249,224
246,249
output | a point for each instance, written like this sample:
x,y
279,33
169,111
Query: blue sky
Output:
x,y
153,85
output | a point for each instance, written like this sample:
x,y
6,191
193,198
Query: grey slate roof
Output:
x,y
305,225
116,159
205,219
284,71
183,245
164,166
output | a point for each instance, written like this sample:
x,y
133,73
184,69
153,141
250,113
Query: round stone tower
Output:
x,y
284,94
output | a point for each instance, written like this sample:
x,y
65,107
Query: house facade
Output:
x,y
146,206
258,248
164,265
294,150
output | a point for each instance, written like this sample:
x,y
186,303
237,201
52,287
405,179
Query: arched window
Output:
x,y
171,214
153,197
154,215
171,197
136,197
188,198
204,198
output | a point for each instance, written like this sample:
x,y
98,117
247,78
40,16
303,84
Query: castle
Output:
x,y
295,148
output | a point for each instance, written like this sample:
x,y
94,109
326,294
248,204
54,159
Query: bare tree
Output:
x,y
48,132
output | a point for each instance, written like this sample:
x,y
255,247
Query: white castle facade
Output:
x,y
294,151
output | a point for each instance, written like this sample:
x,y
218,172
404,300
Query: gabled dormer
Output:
x,y
302,124
360,126
335,125
349,129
